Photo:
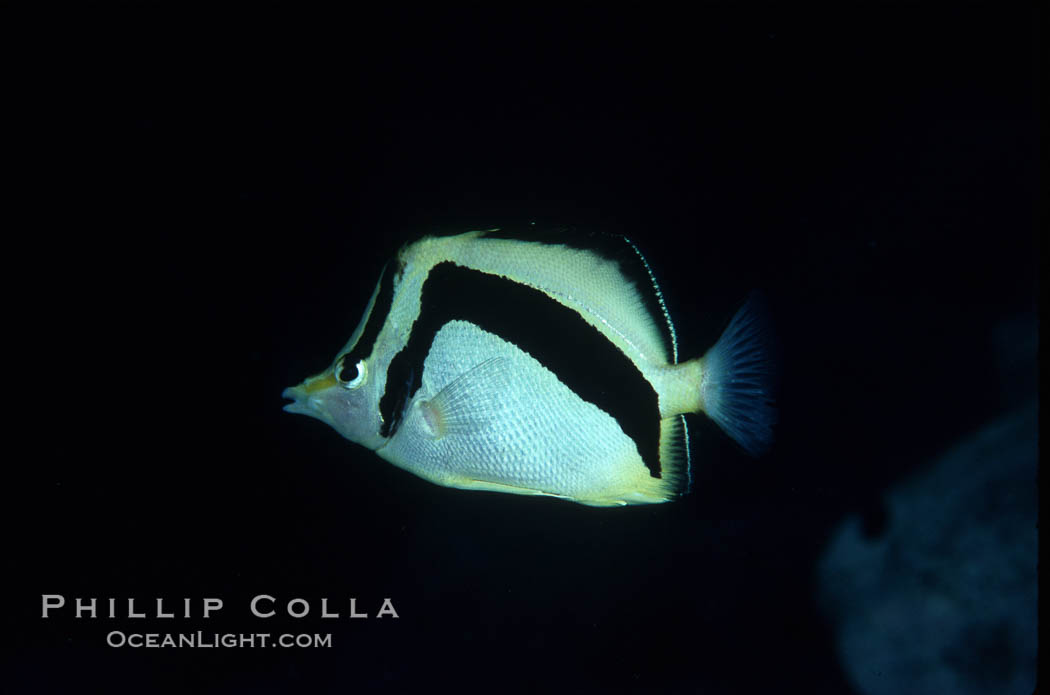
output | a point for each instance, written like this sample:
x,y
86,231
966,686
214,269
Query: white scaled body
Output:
x,y
475,424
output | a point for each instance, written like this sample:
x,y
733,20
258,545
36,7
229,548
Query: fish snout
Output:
x,y
307,397
299,398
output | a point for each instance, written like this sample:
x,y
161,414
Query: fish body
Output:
x,y
529,366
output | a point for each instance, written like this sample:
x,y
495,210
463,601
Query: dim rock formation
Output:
x,y
945,600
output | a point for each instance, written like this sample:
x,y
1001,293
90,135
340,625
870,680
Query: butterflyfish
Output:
x,y
538,366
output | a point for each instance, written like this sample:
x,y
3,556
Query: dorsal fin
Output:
x,y
607,275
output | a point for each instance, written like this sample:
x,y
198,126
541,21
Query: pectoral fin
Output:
x,y
468,403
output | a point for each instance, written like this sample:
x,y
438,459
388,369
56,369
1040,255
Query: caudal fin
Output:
x,y
736,387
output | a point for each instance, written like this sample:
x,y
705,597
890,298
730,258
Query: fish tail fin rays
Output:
x,y
738,377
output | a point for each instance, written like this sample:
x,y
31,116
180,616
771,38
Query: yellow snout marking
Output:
x,y
325,380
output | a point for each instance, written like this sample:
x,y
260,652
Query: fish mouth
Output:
x,y
302,403
305,396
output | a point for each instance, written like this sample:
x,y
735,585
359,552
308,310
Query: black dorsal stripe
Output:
x,y
555,335
612,247
367,340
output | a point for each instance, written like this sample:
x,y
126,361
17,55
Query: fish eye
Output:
x,y
350,375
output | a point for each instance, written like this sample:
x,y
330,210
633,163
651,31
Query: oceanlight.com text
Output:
x,y
216,640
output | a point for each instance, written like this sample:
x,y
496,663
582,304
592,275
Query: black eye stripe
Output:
x,y
376,318
347,370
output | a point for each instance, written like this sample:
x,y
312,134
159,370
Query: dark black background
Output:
x,y
204,204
